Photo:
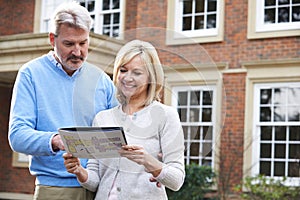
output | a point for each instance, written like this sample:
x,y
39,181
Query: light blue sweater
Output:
x,y
44,99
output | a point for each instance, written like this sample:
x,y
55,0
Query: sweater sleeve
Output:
x,y
23,116
93,176
172,146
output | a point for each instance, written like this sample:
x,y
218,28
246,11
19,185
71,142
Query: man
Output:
x,y
59,89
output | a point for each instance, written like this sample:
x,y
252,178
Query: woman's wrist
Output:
x,y
153,166
81,174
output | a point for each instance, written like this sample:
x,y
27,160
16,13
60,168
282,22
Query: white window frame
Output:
x,y
262,27
212,88
98,21
258,29
291,181
175,35
48,8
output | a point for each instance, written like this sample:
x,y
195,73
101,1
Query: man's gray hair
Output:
x,y
71,14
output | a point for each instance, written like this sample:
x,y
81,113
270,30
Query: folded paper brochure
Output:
x,y
93,142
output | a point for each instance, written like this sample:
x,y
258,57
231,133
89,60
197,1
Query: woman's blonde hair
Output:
x,y
149,56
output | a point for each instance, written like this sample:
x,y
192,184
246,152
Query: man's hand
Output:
x,y
57,143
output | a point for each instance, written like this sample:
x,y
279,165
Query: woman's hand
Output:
x,y
139,155
73,166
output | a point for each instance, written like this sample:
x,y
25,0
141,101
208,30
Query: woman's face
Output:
x,y
133,80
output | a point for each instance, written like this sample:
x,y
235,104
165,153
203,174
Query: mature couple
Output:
x,y
60,89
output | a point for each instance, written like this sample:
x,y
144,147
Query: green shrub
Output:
x,y
197,183
266,188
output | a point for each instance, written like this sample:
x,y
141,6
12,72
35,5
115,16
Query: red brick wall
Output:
x,y
234,50
232,134
16,16
12,179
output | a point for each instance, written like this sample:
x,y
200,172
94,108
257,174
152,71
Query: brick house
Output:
x,y
232,70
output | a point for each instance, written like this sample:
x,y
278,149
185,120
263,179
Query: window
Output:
x,y
196,109
195,19
48,7
110,18
276,133
269,16
107,15
198,15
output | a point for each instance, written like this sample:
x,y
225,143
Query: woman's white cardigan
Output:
x,y
158,129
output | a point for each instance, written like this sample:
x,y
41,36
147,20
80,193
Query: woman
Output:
x,y
150,128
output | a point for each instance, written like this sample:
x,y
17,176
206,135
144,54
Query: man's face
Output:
x,y
70,47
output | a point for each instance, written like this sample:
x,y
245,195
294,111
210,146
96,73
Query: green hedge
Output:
x,y
197,183
266,188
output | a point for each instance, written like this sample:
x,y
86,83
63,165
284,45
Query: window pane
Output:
x,y
187,6
186,147
182,114
280,133
106,30
270,2
211,21
265,114
293,96
294,113
194,149
199,22
182,98
265,150
207,149
206,162
283,15
106,20
280,96
194,114
266,133
199,6
105,5
283,2
212,5
294,133
206,115
91,6
195,133
296,1
207,133
116,17
279,113
296,14
116,30
270,16
187,23
293,169
195,98
207,98
294,151
265,96
185,131
196,161
116,4
265,168
279,168
280,151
